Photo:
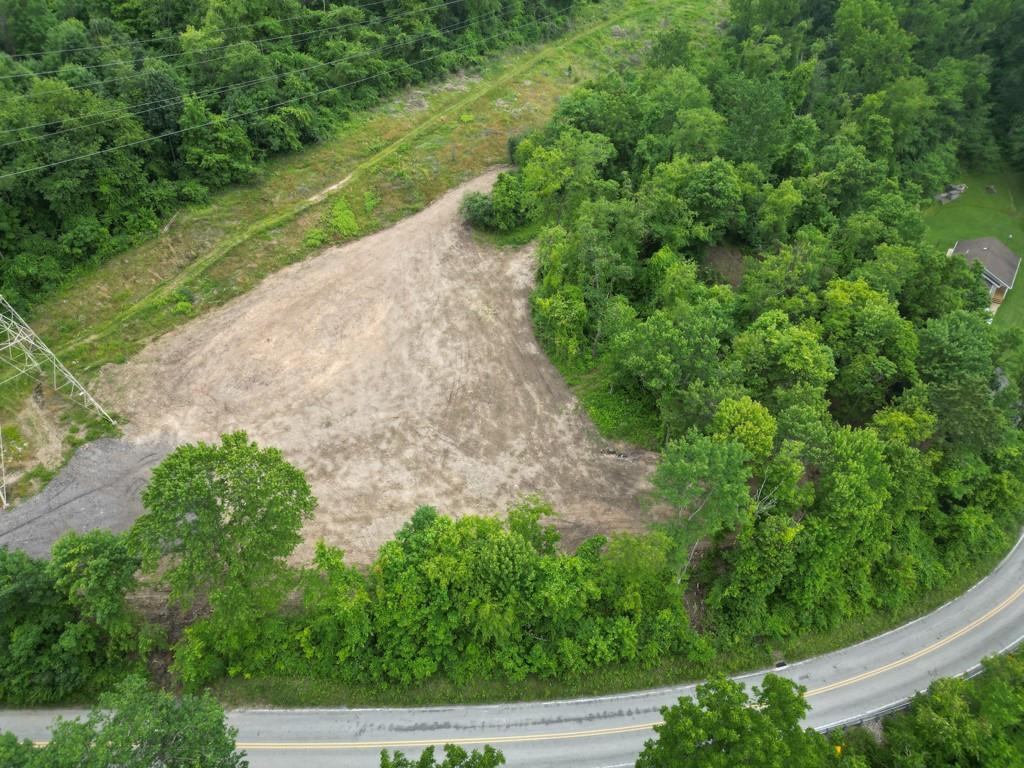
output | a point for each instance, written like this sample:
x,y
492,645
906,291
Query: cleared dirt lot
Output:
x,y
397,370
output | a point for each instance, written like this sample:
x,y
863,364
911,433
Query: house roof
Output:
x,y
1000,262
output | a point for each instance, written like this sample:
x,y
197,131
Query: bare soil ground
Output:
x,y
398,370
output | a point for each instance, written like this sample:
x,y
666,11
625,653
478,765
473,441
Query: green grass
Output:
x,y
394,159
514,239
616,415
979,214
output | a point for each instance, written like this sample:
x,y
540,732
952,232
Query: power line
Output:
x,y
23,350
127,111
220,118
140,41
178,67
160,56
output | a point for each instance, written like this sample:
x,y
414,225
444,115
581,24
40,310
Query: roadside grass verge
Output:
x,y
384,163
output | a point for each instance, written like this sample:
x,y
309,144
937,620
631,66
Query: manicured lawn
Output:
x,y
980,214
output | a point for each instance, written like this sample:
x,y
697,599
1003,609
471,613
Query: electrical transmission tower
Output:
x,y
28,355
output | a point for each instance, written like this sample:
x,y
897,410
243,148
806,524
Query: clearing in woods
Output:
x,y
390,384
386,163
397,370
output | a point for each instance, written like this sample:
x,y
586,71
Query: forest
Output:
x,y
113,115
839,430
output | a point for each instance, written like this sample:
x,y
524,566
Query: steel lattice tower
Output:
x,y
28,355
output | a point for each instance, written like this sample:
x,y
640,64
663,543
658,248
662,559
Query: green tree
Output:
x,y
773,354
220,521
706,480
96,571
222,515
685,202
871,47
848,534
724,727
215,150
747,422
961,723
957,365
24,24
136,725
560,321
64,624
454,757
557,178
875,348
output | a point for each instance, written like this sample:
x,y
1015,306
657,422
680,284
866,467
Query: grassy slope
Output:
x,y
979,214
396,159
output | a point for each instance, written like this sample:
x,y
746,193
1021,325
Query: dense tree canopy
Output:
x,y
164,102
724,728
138,726
957,723
64,624
834,426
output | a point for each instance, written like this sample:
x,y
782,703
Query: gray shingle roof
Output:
x,y
999,261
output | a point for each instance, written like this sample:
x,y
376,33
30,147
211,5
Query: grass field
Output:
x,y
385,163
980,214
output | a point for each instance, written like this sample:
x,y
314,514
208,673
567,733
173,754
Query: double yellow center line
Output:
x,y
563,735
594,732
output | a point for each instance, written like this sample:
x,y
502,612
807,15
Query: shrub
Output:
x,y
513,145
508,211
342,221
560,320
184,308
477,210
315,238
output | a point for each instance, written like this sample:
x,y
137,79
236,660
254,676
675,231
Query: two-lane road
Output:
x,y
606,731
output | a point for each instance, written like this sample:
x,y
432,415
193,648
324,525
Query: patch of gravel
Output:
x,y
99,488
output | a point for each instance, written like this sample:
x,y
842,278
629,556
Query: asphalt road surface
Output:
x,y
843,687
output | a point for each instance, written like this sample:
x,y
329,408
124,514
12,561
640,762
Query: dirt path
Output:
x,y
397,370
